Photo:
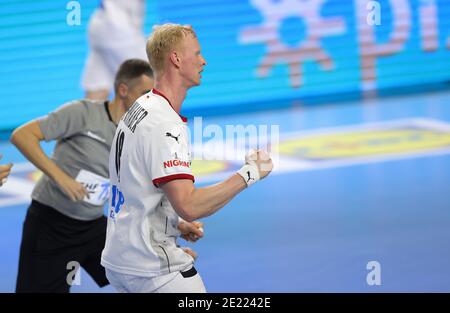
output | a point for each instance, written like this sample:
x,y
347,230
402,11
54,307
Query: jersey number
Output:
x,y
117,200
119,146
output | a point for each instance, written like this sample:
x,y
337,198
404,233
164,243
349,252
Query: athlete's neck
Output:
x,y
116,109
174,92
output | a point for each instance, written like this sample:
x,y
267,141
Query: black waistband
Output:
x,y
51,214
189,273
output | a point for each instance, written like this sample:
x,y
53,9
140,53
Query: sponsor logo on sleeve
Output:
x,y
176,163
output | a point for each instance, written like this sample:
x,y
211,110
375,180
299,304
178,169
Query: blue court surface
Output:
x,y
358,202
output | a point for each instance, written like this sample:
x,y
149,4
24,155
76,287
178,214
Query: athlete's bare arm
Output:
x,y
27,139
193,203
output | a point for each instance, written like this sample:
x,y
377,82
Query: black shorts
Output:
x,y
50,241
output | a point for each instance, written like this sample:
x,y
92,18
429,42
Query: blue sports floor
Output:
x,y
356,182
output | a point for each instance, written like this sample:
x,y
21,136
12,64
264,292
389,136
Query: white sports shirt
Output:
x,y
121,14
150,147
115,34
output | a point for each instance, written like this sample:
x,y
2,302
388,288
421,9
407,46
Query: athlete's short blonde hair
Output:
x,y
163,39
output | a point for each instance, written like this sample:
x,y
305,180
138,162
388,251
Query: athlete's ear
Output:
x,y
175,59
123,90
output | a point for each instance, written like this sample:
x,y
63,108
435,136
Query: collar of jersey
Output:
x,y
159,93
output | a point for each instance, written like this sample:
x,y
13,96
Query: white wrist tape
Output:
x,y
249,173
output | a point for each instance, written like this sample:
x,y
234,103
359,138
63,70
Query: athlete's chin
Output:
x,y
198,81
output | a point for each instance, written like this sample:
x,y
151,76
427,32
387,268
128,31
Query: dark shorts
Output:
x,y
52,247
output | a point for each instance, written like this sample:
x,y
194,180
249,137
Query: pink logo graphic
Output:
x,y
278,52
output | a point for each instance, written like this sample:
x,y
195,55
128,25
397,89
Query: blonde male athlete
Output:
x,y
151,178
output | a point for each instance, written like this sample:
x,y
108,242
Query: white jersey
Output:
x,y
121,14
150,147
115,34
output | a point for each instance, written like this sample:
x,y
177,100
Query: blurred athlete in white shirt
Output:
x,y
151,178
115,34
